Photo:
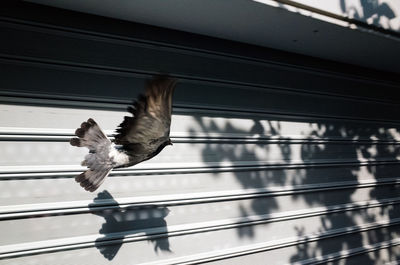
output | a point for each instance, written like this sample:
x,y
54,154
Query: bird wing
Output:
x,y
151,120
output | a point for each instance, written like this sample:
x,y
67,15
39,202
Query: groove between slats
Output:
x,y
72,207
40,172
58,138
38,247
111,38
67,133
209,139
65,101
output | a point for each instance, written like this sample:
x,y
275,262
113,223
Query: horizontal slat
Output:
x,y
120,105
206,253
244,254
183,41
33,156
65,171
52,187
68,207
189,92
203,65
37,120
350,256
121,221
345,254
201,126
210,50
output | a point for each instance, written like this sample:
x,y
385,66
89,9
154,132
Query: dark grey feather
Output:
x,y
147,130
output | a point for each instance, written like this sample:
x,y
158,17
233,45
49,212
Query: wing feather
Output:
x,y
151,115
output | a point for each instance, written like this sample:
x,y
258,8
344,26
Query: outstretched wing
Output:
x,y
151,118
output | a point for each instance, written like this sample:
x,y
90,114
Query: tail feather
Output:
x,y
90,136
91,180
98,160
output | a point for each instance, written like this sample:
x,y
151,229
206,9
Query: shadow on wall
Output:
x,y
370,11
125,223
373,181
334,165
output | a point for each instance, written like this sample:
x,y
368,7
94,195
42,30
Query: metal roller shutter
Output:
x,y
272,162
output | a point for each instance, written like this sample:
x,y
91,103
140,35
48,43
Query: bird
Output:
x,y
139,137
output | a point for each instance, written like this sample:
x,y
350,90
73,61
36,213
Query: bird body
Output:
x,y
139,137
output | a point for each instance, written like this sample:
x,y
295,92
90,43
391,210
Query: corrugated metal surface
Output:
x,y
273,163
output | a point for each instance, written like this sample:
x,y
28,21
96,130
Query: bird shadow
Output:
x,y
122,224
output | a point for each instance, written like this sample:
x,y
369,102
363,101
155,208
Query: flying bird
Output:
x,y
139,137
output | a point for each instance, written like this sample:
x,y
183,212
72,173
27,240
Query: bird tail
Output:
x,y
98,160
